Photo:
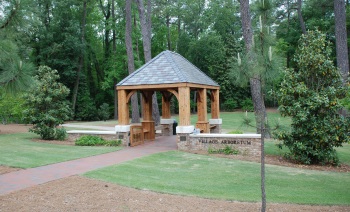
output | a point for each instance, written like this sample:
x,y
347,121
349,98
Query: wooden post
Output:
x,y
184,106
148,123
147,105
215,107
202,104
202,122
166,97
123,108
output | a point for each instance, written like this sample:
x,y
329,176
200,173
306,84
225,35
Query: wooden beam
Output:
x,y
174,92
166,97
184,106
129,95
147,105
123,108
215,107
202,104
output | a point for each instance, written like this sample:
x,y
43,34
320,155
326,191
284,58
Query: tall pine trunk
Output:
x,y
81,59
341,39
255,87
131,67
300,16
114,55
146,30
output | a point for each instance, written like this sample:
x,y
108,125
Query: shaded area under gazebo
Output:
x,y
171,75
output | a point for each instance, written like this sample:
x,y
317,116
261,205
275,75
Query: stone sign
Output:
x,y
246,144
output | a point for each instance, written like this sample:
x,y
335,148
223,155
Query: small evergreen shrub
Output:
x,y
311,96
61,134
92,140
247,105
227,151
46,104
103,112
230,104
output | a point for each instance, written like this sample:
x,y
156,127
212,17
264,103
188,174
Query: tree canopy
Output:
x,y
84,41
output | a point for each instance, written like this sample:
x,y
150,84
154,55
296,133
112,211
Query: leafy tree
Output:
x,y
310,95
47,105
11,108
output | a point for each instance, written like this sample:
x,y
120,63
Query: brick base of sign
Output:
x,y
246,144
183,139
124,137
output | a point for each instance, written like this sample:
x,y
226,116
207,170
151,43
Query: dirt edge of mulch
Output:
x,y
77,193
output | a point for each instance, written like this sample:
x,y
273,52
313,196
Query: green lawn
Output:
x,y
205,176
17,150
234,120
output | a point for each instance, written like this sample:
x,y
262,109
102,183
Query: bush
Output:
x,y
91,140
47,105
230,104
11,108
310,95
247,105
61,134
86,108
227,151
103,112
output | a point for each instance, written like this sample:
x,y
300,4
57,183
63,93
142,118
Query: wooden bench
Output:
x,y
136,135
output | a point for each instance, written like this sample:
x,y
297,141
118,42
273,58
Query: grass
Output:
x,y
17,150
344,153
219,178
234,120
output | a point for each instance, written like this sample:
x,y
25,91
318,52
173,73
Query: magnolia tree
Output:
x,y
310,95
47,105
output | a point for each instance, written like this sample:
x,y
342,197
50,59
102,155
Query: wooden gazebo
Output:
x,y
171,75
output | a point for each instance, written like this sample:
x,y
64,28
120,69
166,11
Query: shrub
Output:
x,y
61,134
230,104
86,108
11,108
103,112
47,105
247,105
310,95
91,140
227,151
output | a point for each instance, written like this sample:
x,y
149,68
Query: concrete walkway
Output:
x,y
18,180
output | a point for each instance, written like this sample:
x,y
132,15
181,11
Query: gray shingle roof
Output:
x,y
167,68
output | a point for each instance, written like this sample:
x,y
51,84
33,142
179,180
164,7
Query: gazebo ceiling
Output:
x,y
165,69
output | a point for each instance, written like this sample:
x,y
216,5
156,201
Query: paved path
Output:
x,y
18,180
